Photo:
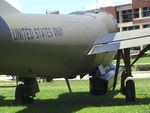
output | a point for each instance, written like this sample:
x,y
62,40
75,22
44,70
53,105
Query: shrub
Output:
x,y
143,67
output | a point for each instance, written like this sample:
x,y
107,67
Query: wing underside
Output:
x,y
120,40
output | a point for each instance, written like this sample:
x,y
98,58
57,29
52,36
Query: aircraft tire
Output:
x,y
130,91
20,97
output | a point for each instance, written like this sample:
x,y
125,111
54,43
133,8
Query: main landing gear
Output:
x,y
25,91
127,82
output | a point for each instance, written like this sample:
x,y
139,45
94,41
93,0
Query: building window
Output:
x,y
146,11
136,13
146,26
136,27
124,28
127,15
117,17
131,28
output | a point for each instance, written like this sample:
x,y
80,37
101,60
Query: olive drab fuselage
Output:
x,y
52,45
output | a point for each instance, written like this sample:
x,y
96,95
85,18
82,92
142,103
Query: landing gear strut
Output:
x,y
25,92
127,82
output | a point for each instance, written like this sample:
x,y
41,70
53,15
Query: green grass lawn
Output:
x,y
54,98
144,60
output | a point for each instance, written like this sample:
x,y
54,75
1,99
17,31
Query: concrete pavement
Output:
x,y
135,75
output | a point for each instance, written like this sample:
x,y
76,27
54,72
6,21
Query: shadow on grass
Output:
x,y
68,103
7,86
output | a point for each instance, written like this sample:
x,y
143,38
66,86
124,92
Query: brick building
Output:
x,y
131,16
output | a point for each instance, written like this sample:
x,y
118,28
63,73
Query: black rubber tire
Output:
x,y
98,86
20,97
130,91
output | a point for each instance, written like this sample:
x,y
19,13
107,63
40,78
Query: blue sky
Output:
x,y
64,6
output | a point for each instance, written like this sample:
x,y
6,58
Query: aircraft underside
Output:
x,y
102,80
56,46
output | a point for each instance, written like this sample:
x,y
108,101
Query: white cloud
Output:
x,y
15,3
122,2
105,3
100,4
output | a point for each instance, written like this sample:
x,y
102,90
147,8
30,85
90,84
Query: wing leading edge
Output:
x,y
120,40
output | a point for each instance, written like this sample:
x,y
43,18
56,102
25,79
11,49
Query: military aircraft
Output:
x,y
56,46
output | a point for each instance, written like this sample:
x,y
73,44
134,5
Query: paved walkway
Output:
x,y
141,74
135,75
5,78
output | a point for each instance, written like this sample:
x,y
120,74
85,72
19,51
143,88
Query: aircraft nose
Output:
x,y
5,33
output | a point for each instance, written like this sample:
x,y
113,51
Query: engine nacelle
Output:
x,y
100,85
